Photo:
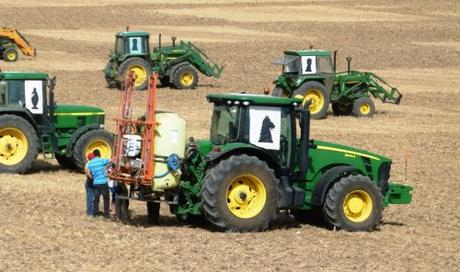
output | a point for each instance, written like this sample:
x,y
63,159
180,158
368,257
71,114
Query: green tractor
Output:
x,y
311,74
254,165
31,123
177,65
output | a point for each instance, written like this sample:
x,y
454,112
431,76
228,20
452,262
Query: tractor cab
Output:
x,y
263,122
25,91
132,43
316,63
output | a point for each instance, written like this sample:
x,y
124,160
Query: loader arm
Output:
x,y
201,61
19,40
379,88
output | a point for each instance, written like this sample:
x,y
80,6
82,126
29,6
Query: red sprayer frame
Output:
x,y
125,124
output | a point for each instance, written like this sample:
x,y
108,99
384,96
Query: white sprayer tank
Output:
x,y
170,138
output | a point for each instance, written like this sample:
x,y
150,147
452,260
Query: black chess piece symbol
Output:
x,y
134,48
34,99
309,61
265,131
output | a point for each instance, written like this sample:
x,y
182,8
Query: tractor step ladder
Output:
x,y
47,147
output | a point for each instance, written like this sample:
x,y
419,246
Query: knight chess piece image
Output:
x,y
34,99
265,131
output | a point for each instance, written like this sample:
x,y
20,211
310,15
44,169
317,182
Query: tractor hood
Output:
x,y
348,151
81,110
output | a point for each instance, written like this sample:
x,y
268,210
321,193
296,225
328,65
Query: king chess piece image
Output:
x,y
265,131
34,99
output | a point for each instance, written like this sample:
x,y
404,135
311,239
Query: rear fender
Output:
x,y
215,157
22,113
76,135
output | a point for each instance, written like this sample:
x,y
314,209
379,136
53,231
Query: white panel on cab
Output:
x,y
34,96
265,127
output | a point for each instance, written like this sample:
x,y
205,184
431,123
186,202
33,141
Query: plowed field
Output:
x,y
414,45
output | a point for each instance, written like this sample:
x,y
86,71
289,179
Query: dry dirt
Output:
x,y
412,44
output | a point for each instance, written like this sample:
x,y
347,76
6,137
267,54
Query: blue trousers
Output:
x,y
89,199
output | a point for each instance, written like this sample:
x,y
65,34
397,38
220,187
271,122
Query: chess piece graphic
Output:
x,y
309,61
134,48
34,99
265,131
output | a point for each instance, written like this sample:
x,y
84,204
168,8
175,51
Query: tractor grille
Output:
x,y
367,164
384,177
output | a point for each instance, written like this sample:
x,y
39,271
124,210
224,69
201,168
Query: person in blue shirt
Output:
x,y
97,169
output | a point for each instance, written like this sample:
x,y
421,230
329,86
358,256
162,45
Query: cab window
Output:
x,y
15,92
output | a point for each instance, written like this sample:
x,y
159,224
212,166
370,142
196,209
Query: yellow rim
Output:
x,y
317,100
246,196
357,206
102,145
186,79
365,108
13,146
11,55
141,74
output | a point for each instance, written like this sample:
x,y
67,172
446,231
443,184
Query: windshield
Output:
x,y
119,46
225,123
325,65
291,64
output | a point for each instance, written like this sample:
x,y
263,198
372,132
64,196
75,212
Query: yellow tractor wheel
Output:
x,y
185,77
141,69
10,54
240,194
354,203
316,93
18,144
363,107
99,139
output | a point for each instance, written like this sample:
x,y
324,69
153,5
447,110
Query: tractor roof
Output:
x,y
133,34
253,99
313,52
22,75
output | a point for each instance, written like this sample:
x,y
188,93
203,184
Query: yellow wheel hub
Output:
x,y
13,146
11,55
357,206
246,196
141,74
102,145
186,79
317,100
365,108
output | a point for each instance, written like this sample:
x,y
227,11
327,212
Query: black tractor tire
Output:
x,y
111,82
12,129
136,64
10,55
247,184
354,192
278,92
83,144
363,107
185,77
320,102
153,212
65,162
342,109
122,205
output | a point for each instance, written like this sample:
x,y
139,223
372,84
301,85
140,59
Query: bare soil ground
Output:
x,y
412,44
